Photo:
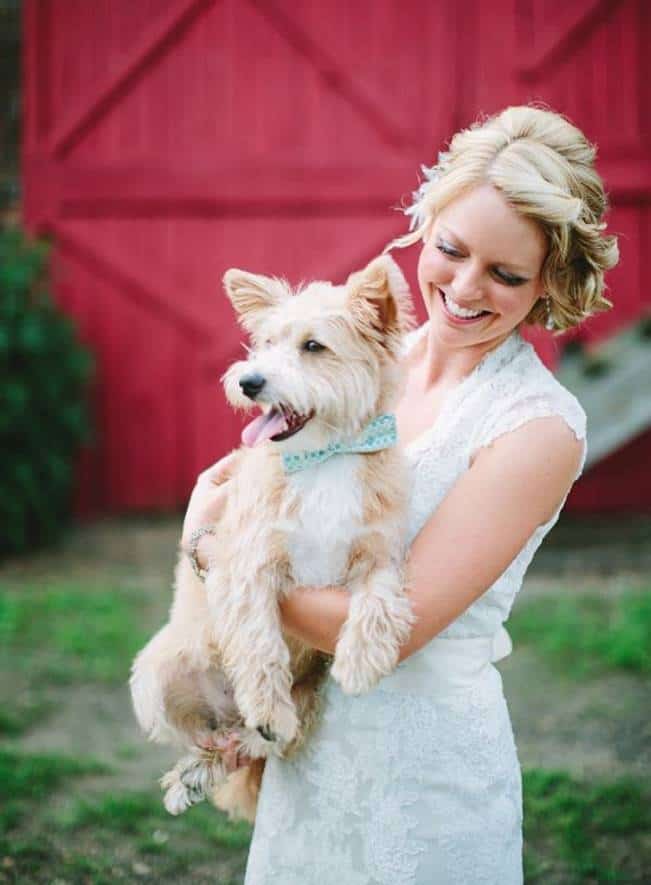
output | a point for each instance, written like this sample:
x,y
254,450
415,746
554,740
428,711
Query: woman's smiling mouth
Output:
x,y
460,314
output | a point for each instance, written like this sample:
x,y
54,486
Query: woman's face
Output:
x,y
480,269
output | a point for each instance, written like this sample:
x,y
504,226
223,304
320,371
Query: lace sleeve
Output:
x,y
540,405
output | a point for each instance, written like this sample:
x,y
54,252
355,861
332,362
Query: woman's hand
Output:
x,y
230,749
208,499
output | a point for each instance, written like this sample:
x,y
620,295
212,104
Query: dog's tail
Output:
x,y
238,794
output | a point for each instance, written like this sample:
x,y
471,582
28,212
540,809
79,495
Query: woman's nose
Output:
x,y
467,283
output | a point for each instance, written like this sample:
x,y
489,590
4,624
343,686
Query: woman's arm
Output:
x,y
514,485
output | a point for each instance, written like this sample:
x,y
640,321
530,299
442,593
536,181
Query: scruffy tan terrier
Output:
x,y
317,497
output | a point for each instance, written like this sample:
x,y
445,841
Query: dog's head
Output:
x,y
325,359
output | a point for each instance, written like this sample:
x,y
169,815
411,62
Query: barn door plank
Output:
x,y
101,97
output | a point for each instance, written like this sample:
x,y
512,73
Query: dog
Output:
x,y
317,497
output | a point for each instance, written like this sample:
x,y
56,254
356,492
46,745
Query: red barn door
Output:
x,y
167,140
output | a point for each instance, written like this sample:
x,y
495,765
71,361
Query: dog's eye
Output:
x,y
313,346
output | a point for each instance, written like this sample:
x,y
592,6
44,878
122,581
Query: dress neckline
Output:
x,y
491,362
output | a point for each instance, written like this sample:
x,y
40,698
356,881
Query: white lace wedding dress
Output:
x,y
418,782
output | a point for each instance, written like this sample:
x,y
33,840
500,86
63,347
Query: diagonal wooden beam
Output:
x,y
336,78
154,291
581,22
159,37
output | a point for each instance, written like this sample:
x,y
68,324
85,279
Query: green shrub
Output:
x,y
43,411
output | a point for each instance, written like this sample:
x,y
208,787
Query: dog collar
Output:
x,y
380,433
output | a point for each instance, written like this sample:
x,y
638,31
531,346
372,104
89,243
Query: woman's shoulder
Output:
x,y
543,387
523,390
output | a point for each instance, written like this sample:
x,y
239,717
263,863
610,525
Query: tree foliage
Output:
x,y
44,415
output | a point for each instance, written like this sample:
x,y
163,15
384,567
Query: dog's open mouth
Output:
x,y
279,423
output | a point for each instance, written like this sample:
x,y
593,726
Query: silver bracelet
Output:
x,y
193,543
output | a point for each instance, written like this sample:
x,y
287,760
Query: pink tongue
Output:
x,y
263,427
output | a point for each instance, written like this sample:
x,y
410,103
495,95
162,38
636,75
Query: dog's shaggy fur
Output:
x,y
222,662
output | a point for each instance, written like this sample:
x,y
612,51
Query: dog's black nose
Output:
x,y
252,384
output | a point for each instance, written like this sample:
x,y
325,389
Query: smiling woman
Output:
x,y
418,780
543,168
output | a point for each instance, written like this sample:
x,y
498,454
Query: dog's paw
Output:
x,y
201,775
177,798
352,681
253,744
283,723
280,727
354,672
190,781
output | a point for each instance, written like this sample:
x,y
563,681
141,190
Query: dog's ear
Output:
x,y
380,300
252,294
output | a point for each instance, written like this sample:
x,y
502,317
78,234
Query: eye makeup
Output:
x,y
503,276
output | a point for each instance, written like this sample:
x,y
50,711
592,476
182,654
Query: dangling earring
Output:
x,y
549,322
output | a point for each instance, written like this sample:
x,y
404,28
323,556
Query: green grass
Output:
x,y
63,819
586,635
52,826
141,814
73,632
28,779
579,832
26,711
61,633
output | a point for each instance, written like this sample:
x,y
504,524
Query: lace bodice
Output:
x,y
507,388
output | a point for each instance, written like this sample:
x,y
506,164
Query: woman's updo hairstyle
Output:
x,y
544,167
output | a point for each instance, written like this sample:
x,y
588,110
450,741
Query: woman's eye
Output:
x,y
507,278
447,249
313,346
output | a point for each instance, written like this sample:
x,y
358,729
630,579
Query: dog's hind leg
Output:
x,y
307,698
248,633
238,795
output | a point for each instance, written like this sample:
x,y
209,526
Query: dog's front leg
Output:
x,y
248,633
379,621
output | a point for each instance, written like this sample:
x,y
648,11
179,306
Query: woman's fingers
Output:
x,y
231,752
208,497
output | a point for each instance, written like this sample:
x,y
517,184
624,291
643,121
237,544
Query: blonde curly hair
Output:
x,y
544,167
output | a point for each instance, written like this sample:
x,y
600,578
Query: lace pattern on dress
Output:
x,y
361,793
415,788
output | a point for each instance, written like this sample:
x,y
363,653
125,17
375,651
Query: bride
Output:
x,y
418,781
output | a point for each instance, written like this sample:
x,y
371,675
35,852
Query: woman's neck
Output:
x,y
447,366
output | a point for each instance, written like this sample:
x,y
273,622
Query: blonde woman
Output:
x,y
418,782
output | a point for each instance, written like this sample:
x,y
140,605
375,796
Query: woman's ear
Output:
x,y
380,301
252,295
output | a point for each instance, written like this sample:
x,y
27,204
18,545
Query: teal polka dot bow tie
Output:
x,y
381,433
